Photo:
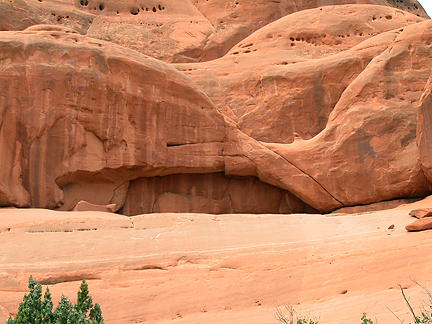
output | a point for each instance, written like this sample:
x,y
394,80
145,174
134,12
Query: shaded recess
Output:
x,y
209,193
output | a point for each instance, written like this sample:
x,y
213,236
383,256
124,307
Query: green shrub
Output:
x,y
34,310
366,320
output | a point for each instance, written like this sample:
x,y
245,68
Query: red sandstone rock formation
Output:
x,y
85,115
316,110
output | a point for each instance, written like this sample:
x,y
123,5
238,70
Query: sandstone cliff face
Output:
x,y
312,112
76,112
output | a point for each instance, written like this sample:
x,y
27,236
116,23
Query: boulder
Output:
x,y
421,213
420,225
86,206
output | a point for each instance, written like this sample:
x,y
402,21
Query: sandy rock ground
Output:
x,y
199,268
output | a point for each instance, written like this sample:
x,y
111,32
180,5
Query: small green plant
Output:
x,y
366,320
34,310
426,309
292,317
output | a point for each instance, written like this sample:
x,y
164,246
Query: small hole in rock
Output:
x,y
134,11
154,9
101,6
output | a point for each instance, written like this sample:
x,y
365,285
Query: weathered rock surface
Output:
x,y
87,116
217,269
173,31
287,77
424,130
372,127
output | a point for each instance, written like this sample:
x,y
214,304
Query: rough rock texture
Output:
x,y
424,130
195,268
173,31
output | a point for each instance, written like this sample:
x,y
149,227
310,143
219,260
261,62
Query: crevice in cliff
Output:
x,y
312,178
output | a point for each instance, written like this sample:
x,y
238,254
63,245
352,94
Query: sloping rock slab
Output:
x,y
420,225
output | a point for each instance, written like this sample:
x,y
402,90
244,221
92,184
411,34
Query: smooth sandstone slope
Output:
x,y
195,268
173,31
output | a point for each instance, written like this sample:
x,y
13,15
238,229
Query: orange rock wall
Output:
x,y
277,105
